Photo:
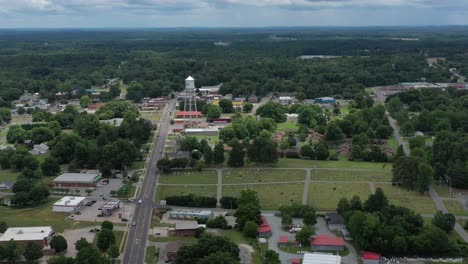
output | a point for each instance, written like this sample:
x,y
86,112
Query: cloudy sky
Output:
x,y
229,13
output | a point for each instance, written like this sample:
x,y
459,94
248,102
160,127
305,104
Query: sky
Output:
x,y
229,13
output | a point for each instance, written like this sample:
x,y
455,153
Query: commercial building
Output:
x,y
371,257
74,180
185,229
189,114
201,131
40,235
325,100
286,100
327,243
334,221
316,258
206,214
68,204
264,230
150,104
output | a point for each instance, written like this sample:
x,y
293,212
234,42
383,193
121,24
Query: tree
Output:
x,y
39,194
105,239
263,150
218,258
85,101
3,227
12,251
355,203
61,260
236,156
207,245
250,229
226,106
247,107
32,252
107,225
286,220
89,255
82,243
321,151
113,251
41,134
376,202
208,155
271,257
304,235
343,206
17,134
189,143
383,132
307,151
114,90
272,110
50,166
425,176
58,243
310,219
446,221
333,132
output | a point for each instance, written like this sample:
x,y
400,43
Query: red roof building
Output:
x,y
264,230
95,106
371,257
326,242
295,261
188,114
283,241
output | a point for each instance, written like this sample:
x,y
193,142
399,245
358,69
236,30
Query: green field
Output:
x,y
189,177
345,164
325,196
271,196
154,116
455,208
442,189
138,165
8,175
150,257
262,175
287,126
39,216
413,200
351,175
393,143
119,235
164,191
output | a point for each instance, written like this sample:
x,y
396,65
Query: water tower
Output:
x,y
190,104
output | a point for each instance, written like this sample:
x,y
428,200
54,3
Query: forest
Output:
x,y
155,62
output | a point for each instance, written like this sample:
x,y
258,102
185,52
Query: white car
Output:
x,y
140,201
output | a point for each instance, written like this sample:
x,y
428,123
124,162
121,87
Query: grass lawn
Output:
x,y
271,196
393,143
212,140
40,216
163,191
325,196
262,175
343,163
287,126
413,200
150,257
190,177
154,116
442,190
8,175
119,235
351,175
138,165
21,119
172,239
236,236
455,208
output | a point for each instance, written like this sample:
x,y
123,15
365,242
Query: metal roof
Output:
x,y
321,259
26,233
70,201
188,225
190,78
77,177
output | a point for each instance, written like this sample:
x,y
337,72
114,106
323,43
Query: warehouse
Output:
x,y
40,235
68,204
185,229
327,243
325,100
315,258
74,180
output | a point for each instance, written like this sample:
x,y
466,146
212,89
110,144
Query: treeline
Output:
x,y
191,200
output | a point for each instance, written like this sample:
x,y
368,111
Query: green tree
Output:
x,y
446,222
355,203
85,101
89,255
236,156
226,106
376,202
214,112
32,252
425,176
321,151
208,155
114,90
58,243
50,166
61,260
307,151
3,227
310,219
286,220
189,143
343,206
304,235
271,257
113,252
12,251
82,243
272,110
107,225
263,150
333,132
41,134
105,239
247,107
218,258
17,134
250,229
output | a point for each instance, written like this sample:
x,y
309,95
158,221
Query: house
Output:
x,y
186,229
253,99
74,180
206,214
283,241
95,106
317,258
327,243
189,114
172,249
334,221
40,235
68,204
6,185
39,149
325,100
264,229
315,137
371,257
285,100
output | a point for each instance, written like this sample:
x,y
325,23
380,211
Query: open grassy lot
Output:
x,y
271,196
393,143
442,190
342,163
325,196
8,175
119,235
138,165
351,175
287,126
189,177
39,216
455,208
413,200
212,140
163,191
262,175
150,257
154,116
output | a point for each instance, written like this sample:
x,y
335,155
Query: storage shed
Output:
x,y
327,243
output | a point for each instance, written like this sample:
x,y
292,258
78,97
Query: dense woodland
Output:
x,y
155,62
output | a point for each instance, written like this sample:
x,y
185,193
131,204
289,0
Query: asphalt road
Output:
x,y
138,234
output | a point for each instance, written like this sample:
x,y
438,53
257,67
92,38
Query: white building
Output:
x,y
68,204
41,235
313,258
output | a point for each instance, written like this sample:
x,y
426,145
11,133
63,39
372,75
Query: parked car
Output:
x,y
134,223
124,220
140,201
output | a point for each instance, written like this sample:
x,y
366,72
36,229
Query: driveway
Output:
x,y
73,235
275,224
322,228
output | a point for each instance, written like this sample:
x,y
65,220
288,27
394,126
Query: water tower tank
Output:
x,y
190,83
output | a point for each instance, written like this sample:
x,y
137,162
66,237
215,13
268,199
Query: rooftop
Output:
x,y
69,201
371,255
26,233
283,239
325,240
321,259
190,78
187,225
77,177
334,219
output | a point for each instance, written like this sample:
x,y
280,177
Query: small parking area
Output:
x,y
74,235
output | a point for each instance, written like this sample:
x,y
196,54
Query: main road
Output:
x,y
138,233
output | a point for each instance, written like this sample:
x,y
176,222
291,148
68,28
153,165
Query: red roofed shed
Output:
x,y
326,242
264,230
371,257
283,241
295,261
